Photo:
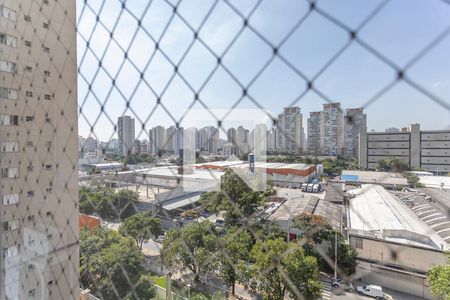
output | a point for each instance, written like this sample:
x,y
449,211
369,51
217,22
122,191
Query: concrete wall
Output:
x,y
404,256
406,282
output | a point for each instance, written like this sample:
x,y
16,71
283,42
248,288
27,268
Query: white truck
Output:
x,y
316,188
310,187
304,186
371,290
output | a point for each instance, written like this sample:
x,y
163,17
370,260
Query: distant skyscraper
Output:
x,y
332,129
259,141
157,139
126,133
290,130
314,132
209,139
231,135
355,124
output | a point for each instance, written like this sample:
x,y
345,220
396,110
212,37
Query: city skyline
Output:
x,y
353,79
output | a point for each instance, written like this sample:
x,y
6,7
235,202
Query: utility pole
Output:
x,y
335,255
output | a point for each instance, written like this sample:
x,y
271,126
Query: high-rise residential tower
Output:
x,y
157,140
126,134
290,130
38,150
355,123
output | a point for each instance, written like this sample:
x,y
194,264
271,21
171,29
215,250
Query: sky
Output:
x,y
147,86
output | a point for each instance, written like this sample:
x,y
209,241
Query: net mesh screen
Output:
x,y
87,87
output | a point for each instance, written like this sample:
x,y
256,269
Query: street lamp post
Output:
x,y
189,290
335,256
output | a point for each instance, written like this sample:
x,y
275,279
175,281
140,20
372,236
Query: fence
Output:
x,y
173,84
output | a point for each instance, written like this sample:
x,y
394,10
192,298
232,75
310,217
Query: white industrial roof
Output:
x,y
375,209
172,171
436,181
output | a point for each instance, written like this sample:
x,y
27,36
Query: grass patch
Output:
x,y
159,281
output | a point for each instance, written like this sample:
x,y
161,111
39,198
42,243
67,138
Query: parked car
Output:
x,y
310,188
220,223
339,283
371,290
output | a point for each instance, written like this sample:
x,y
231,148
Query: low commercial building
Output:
x,y
395,248
371,177
296,203
428,150
281,174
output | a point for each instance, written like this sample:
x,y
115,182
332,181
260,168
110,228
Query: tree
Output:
x,y
191,248
235,197
234,252
141,228
107,203
145,289
439,278
392,164
280,267
317,230
110,264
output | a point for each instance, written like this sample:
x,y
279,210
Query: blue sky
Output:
x,y
399,31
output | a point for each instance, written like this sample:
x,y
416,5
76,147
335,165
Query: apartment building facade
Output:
x,y
330,132
428,150
126,135
38,150
157,139
355,123
290,130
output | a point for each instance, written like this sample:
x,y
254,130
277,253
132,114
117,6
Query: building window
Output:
x,y
30,193
46,2
9,146
49,190
7,66
48,97
28,69
32,293
45,25
10,199
49,214
6,120
46,49
9,173
31,218
8,40
27,18
29,144
10,251
28,43
8,13
11,225
29,94
29,118
49,236
48,167
7,93
48,144
46,73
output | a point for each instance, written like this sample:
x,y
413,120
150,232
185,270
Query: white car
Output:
x,y
371,290
339,283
